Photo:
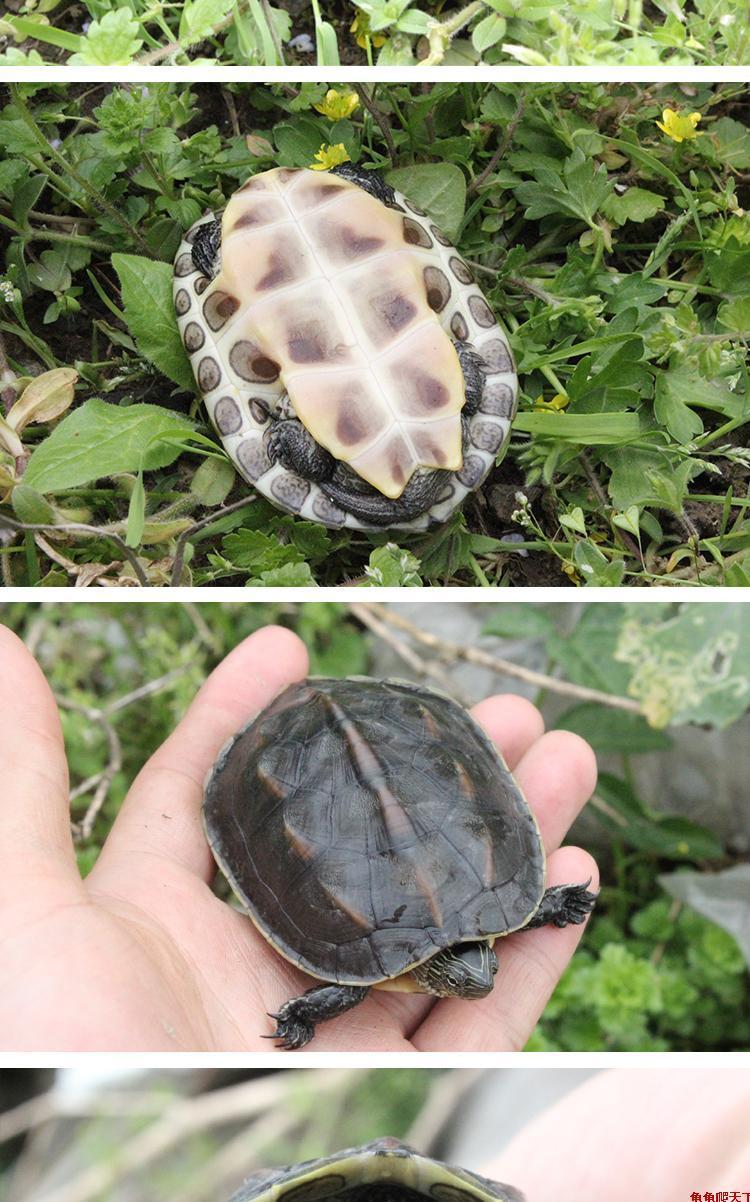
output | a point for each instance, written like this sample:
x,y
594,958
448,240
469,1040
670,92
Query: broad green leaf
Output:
x,y
391,566
627,818
612,731
488,32
200,19
298,143
136,513
111,42
635,204
587,429
146,288
99,439
732,141
693,666
438,188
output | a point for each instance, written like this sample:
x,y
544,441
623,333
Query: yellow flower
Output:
x,y
338,105
558,402
360,27
680,127
330,156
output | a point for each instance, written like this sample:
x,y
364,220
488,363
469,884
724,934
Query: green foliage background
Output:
x,y
650,975
617,257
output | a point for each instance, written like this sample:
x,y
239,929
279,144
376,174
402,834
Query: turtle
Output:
x,y
385,1170
377,839
352,368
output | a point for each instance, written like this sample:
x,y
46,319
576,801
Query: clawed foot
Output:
x,y
575,904
292,1032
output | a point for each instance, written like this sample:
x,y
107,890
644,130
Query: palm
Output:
x,y
143,956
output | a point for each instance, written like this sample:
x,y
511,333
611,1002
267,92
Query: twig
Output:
x,y
146,690
379,118
194,529
502,149
418,664
184,1117
82,830
453,651
80,528
601,496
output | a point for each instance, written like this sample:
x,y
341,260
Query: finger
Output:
x,y
34,812
161,815
557,775
512,722
530,965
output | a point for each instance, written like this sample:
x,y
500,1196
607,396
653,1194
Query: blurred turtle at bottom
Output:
x,y
382,1171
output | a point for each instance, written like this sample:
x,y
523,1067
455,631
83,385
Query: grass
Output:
x,y
616,255
387,32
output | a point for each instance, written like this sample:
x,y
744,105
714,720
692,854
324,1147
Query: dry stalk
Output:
x,y
450,652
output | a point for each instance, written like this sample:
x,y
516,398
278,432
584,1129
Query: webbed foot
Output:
x,y
564,905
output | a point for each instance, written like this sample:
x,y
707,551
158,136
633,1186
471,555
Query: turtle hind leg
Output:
x,y
563,905
290,444
372,507
297,1018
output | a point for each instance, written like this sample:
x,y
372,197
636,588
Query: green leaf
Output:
x,y
627,818
635,204
438,188
146,287
612,731
200,19
99,439
111,42
693,666
392,567
136,513
289,575
213,480
595,429
732,141
488,32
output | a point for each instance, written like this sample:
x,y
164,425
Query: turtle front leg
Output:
x,y
206,252
474,370
563,905
292,445
296,1020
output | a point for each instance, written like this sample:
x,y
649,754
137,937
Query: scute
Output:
x,y
385,1161
366,824
324,283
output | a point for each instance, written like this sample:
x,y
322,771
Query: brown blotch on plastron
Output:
x,y
481,311
326,511
487,436
254,184
182,302
251,364
459,328
290,490
259,410
354,244
227,416
184,264
498,399
208,374
193,337
280,270
415,234
460,270
350,429
309,342
393,310
431,393
397,472
253,458
428,450
286,173
200,285
496,355
472,472
218,308
438,288
322,191
439,236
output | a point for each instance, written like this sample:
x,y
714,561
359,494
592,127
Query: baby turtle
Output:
x,y
352,368
383,1171
377,839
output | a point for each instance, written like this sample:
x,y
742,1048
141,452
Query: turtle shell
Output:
x,y
367,824
382,1171
346,310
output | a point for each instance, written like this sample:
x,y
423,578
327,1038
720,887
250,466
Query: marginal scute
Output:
x,y
481,311
497,355
184,265
227,415
459,328
460,270
209,374
415,234
193,337
438,288
290,490
253,458
498,399
249,363
218,307
487,435
472,471
315,1189
182,302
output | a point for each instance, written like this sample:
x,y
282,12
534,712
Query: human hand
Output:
x,y
653,1135
142,956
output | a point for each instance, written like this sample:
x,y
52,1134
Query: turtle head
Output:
x,y
466,970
